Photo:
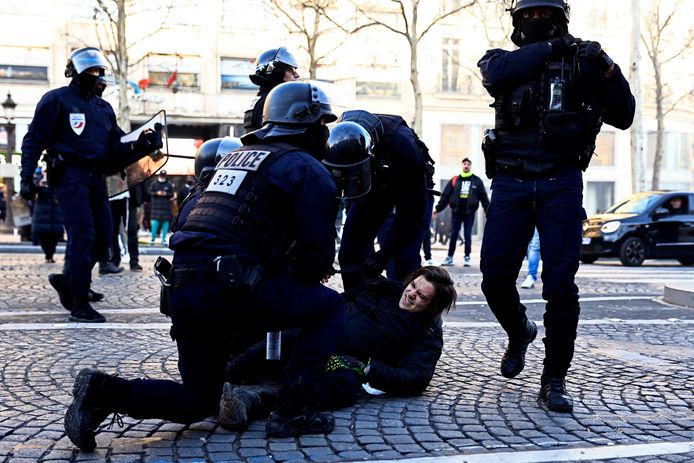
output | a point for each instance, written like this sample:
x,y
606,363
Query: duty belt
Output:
x,y
192,276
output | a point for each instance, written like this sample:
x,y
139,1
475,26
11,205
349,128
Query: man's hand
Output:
x,y
563,46
27,188
376,264
149,140
345,362
593,51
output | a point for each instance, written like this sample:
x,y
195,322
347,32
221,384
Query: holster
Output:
x,y
162,269
489,151
234,274
55,169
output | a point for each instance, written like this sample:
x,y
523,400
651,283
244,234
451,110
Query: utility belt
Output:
x,y
528,169
229,271
56,163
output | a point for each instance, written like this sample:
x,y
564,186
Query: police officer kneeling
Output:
x,y
550,97
252,252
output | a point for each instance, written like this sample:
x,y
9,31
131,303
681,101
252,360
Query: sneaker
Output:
x,y
313,423
429,262
466,261
448,261
513,360
236,407
528,283
93,296
83,416
151,242
84,313
109,268
136,268
57,280
554,396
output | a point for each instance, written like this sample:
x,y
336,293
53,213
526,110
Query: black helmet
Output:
x,y
348,159
525,4
210,153
371,123
83,59
271,65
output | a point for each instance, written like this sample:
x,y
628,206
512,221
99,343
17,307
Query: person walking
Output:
x,y
533,256
47,221
162,192
79,132
463,194
551,96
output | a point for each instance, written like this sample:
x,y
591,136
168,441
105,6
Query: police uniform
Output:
x,y
538,157
399,183
79,128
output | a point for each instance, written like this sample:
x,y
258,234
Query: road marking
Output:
x,y
582,299
606,452
597,322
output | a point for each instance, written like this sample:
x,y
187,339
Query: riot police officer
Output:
x,y
550,97
79,131
401,171
273,67
252,252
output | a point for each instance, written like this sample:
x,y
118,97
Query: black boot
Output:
x,y
553,395
308,423
84,313
513,361
59,283
96,396
238,406
106,268
93,296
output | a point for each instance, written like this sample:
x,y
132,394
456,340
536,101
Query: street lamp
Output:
x,y
8,107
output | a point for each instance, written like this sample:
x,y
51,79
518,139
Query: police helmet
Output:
x,y
368,121
292,106
271,65
210,153
348,159
521,5
83,59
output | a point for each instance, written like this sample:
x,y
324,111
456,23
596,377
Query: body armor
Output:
x,y
241,205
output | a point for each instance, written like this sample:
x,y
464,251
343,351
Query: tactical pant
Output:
x,y
87,220
553,205
203,314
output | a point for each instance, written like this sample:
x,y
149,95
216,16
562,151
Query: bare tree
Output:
x,y
658,39
312,20
408,25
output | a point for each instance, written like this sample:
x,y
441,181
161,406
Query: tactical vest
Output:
x,y
525,120
391,124
241,205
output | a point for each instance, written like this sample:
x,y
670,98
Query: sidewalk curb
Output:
x,y
31,249
679,294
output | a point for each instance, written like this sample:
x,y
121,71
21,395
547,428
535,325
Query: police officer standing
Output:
x,y
252,252
550,97
273,67
79,131
401,171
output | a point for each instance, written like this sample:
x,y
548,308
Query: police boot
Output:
x,y
93,296
96,395
84,313
106,268
513,360
59,283
554,396
238,406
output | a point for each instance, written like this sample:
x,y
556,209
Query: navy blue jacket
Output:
x,y
502,69
309,202
93,136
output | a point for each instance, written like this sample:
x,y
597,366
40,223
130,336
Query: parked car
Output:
x,y
649,225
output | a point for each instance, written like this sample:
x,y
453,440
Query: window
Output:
x,y
378,89
677,148
604,150
599,197
32,73
450,65
175,72
455,144
235,72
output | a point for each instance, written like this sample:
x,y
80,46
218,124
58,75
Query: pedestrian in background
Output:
x,y
551,96
135,199
47,221
161,192
533,256
463,194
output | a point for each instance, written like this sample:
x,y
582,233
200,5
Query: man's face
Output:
x,y
417,295
291,75
676,203
467,165
536,13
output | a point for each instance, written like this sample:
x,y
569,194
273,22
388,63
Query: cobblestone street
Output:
x,y
631,380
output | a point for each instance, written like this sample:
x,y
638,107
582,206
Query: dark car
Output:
x,y
649,225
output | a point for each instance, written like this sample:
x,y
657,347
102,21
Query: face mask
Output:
x,y
86,82
536,30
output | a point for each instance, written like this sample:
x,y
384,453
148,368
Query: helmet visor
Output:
x,y
87,58
352,180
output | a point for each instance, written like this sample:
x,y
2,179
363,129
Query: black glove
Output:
x,y
593,51
28,188
345,362
149,141
563,46
376,264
